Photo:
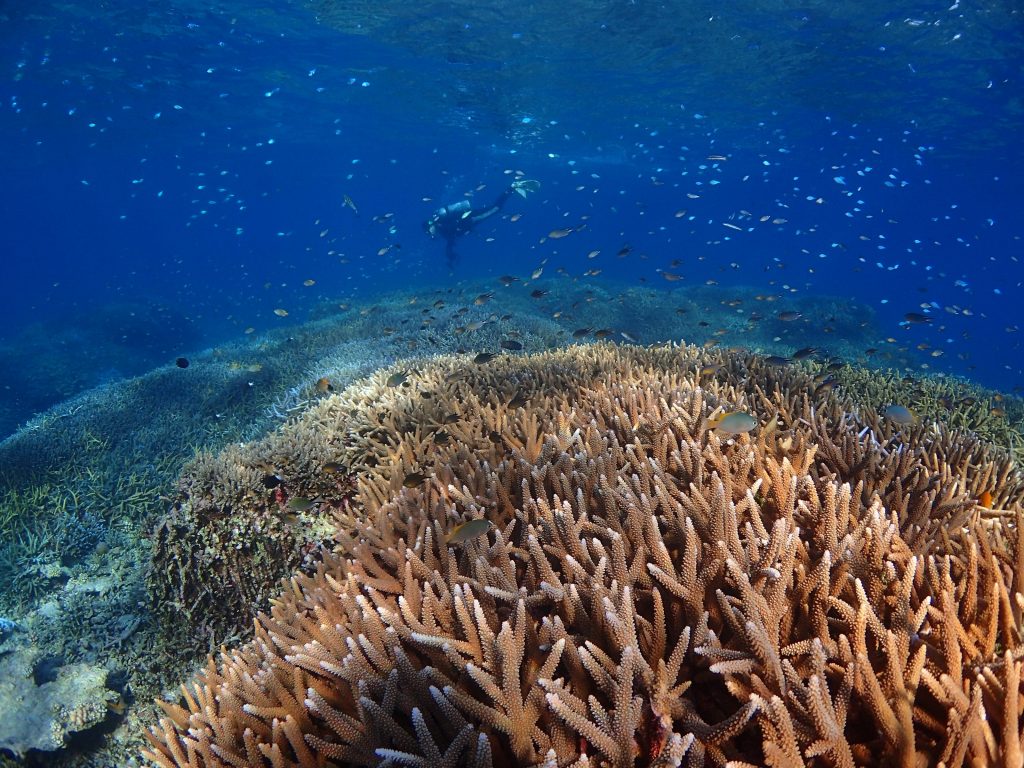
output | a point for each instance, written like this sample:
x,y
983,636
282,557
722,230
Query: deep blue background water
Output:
x,y
174,173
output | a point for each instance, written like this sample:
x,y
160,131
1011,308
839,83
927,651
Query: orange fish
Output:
x,y
985,500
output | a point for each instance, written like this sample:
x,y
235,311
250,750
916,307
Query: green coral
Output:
x,y
959,404
29,564
18,504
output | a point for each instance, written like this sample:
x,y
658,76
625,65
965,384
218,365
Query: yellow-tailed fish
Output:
x,y
301,503
733,422
900,414
414,479
468,530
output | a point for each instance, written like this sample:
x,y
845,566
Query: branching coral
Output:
x,y
958,403
822,591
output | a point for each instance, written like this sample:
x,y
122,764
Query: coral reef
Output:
x,y
84,484
650,591
50,528
226,542
958,403
41,707
55,359
212,565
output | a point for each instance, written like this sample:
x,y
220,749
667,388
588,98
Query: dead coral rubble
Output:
x,y
822,591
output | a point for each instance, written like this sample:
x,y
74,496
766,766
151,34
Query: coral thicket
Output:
x,y
827,589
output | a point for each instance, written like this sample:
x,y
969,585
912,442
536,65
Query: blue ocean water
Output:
x,y
174,172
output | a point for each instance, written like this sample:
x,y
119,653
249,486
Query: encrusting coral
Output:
x,y
824,590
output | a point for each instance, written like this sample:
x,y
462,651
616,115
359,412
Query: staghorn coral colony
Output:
x,y
826,589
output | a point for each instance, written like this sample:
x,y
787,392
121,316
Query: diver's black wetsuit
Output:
x,y
453,221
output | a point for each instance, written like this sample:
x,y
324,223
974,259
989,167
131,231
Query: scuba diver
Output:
x,y
451,221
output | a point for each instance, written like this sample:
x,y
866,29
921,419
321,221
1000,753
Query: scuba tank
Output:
x,y
461,208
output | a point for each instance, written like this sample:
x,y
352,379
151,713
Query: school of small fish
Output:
x,y
670,199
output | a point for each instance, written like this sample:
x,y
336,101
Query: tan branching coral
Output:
x,y
822,591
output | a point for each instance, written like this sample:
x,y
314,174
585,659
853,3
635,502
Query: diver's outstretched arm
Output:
x,y
494,207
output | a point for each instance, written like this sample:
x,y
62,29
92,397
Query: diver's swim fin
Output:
x,y
525,186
